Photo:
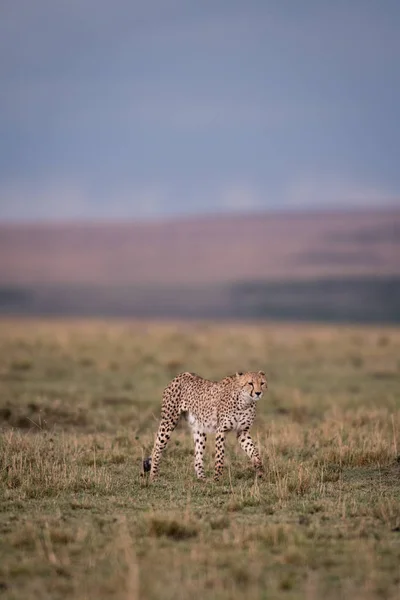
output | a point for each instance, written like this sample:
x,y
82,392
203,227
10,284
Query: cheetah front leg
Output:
x,y
199,447
245,441
219,453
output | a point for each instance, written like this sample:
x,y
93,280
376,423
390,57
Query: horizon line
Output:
x,y
199,216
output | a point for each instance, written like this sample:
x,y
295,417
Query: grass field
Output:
x,y
79,405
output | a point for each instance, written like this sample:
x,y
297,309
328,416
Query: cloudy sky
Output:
x,y
160,107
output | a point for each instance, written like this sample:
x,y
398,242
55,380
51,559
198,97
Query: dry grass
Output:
x,y
79,403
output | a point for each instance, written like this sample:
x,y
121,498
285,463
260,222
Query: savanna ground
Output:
x,y
79,406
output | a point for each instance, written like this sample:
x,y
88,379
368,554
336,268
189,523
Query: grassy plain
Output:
x,y
79,405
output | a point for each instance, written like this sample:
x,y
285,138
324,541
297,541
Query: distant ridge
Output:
x,y
206,250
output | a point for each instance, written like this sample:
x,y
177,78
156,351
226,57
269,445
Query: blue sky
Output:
x,y
132,109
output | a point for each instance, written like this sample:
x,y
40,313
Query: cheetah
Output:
x,y
210,407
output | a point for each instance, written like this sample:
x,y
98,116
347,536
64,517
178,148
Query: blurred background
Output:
x,y
212,159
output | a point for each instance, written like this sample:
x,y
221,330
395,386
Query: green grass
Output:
x,y
79,406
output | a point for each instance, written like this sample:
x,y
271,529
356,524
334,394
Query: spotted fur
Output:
x,y
211,407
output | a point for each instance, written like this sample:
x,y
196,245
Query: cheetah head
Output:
x,y
252,384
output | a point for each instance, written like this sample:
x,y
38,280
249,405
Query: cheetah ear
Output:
x,y
261,373
238,374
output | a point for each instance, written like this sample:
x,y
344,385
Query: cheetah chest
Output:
x,y
238,421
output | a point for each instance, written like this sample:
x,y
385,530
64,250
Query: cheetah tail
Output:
x,y
147,464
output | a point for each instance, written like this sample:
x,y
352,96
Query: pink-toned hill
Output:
x,y
203,250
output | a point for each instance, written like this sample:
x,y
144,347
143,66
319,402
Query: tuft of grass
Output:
x,y
219,522
21,364
171,528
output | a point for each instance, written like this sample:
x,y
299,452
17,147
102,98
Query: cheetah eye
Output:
x,y
250,383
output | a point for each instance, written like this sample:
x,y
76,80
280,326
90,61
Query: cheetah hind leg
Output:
x,y
167,425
